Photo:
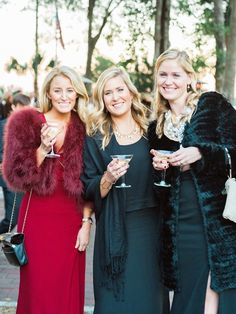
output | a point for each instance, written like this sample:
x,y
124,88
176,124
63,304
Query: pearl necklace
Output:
x,y
128,136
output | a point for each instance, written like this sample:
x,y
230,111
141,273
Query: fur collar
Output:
x,y
22,138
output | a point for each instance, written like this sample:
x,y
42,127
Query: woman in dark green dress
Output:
x,y
126,253
199,245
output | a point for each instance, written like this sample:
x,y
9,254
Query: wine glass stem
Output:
x,y
52,151
164,175
123,179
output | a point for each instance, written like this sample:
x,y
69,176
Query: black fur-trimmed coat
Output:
x,y
212,127
22,138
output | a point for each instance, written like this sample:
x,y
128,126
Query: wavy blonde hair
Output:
x,y
161,105
99,119
77,83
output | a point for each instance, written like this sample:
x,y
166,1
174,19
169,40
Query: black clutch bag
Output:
x,y
13,243
14,249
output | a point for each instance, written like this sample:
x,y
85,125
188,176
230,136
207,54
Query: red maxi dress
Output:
x,y
53,280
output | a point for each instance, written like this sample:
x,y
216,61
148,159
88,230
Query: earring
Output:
x,y
189,88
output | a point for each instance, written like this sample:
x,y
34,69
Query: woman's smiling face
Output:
x,y
172,81
117,97
62,94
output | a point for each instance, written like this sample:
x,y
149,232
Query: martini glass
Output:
x,y
54,130
122,159
164,155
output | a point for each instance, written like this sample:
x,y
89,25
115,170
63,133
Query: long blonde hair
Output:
x,y
99,120
77,83
161,105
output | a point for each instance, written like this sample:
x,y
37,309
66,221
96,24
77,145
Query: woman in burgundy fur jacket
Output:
x,y
58,221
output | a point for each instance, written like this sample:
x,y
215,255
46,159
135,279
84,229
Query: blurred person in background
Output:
x,y
12,103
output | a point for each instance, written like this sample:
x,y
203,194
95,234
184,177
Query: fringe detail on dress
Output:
x,y
114,276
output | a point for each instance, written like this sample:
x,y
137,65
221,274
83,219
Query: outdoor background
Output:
x,y
91,35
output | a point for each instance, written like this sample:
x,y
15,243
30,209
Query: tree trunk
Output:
x,y
91,44
162,21
165,25
157,31
230,62
91,47
219,34
92,40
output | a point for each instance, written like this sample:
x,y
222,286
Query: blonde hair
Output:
x,y
161,105
99,120
77,83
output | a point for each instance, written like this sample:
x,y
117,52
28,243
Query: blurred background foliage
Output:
x,y
147,25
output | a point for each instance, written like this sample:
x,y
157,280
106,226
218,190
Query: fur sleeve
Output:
x,y
21,140
213,128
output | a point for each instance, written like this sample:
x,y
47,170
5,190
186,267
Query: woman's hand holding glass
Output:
x,y
49,134
158,161
117,169
46,140
184,157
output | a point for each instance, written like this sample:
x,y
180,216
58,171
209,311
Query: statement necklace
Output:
x,y
175,131
128,136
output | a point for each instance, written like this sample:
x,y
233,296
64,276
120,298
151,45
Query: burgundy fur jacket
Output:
x,y
22,138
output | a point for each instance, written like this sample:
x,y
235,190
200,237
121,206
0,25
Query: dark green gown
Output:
x,y
193,258
193,264
143,291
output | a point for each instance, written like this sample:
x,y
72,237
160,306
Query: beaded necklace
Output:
x,y
128,136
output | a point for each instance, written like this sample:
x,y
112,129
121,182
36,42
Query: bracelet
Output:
x,y
110,176
106,185
88,219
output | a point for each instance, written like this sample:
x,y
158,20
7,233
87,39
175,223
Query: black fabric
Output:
x,y
192,252
144,293
109,212
8,195
212,127
8,203
166,144
193,258
139,176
